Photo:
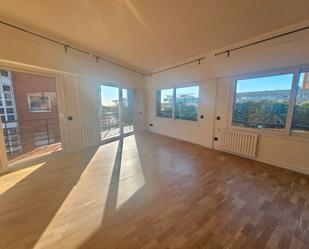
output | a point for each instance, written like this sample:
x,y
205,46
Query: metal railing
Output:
x,y
112,120
25,135
110,123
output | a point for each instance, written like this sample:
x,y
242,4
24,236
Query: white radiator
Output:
x,y
240,143
88,137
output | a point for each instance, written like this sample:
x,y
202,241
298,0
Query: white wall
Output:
x,y
77,79
284,151
278,149
199,132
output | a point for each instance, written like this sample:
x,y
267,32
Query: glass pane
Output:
x,y
4,73
11,117
9,110
39,103
8,103
7,95
262,102
6,88
165,103
187,103
127,111
301,108
20,129
109,118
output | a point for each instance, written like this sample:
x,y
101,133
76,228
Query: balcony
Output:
x,y
110,124
31,138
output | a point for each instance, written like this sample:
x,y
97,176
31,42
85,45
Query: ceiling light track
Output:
x,y
68,46
228,52
97,58
179,65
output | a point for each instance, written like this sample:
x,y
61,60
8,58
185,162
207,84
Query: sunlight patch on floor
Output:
x,y
85,204
10,180
131,173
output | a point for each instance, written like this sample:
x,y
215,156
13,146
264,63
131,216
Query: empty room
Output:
x,y
142,124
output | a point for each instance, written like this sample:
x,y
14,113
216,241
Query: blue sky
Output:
x,y
193,90
108,94
270,83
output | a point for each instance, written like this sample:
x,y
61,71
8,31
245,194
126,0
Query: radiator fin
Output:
x,y
241,143
88,137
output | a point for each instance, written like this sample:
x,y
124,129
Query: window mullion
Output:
x,y
292,100
174,102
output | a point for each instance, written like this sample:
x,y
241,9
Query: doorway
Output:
x,y
29,115
116,112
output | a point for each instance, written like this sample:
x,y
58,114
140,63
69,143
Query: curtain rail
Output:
x,y
228,51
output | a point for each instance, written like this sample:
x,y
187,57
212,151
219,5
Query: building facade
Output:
x,y
29,111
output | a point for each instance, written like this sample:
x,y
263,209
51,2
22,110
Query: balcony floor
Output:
x,y
35,152
114,132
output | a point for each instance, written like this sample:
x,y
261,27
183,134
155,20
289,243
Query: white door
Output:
x,y
207,105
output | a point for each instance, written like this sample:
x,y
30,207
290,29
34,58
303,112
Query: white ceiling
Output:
x,y
149,34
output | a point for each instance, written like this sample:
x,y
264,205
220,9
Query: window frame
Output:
x,y
158,103
287,131
298,132
29,95
174,103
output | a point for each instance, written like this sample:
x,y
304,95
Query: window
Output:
x,y
165,100
301,107
39,103
262,102
4,73
8,96
9,103
6,88
9,110
186,103
178,103
10,117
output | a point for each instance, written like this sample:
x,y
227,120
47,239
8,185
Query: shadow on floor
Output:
x,y
23,220
112,214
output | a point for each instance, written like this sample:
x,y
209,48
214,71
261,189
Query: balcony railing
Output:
x,y
110,123
26,135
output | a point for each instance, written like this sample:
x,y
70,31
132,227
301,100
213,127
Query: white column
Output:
x,y
3,155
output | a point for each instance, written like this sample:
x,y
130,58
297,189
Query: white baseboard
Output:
x,y
284,165
267,161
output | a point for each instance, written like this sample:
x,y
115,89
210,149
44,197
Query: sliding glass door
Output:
x,y
116,111
127,110
29,115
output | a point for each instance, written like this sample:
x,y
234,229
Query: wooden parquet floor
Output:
x,y
150,191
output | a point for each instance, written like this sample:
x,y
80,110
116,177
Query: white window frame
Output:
x,y
29,95
174,103
287,131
